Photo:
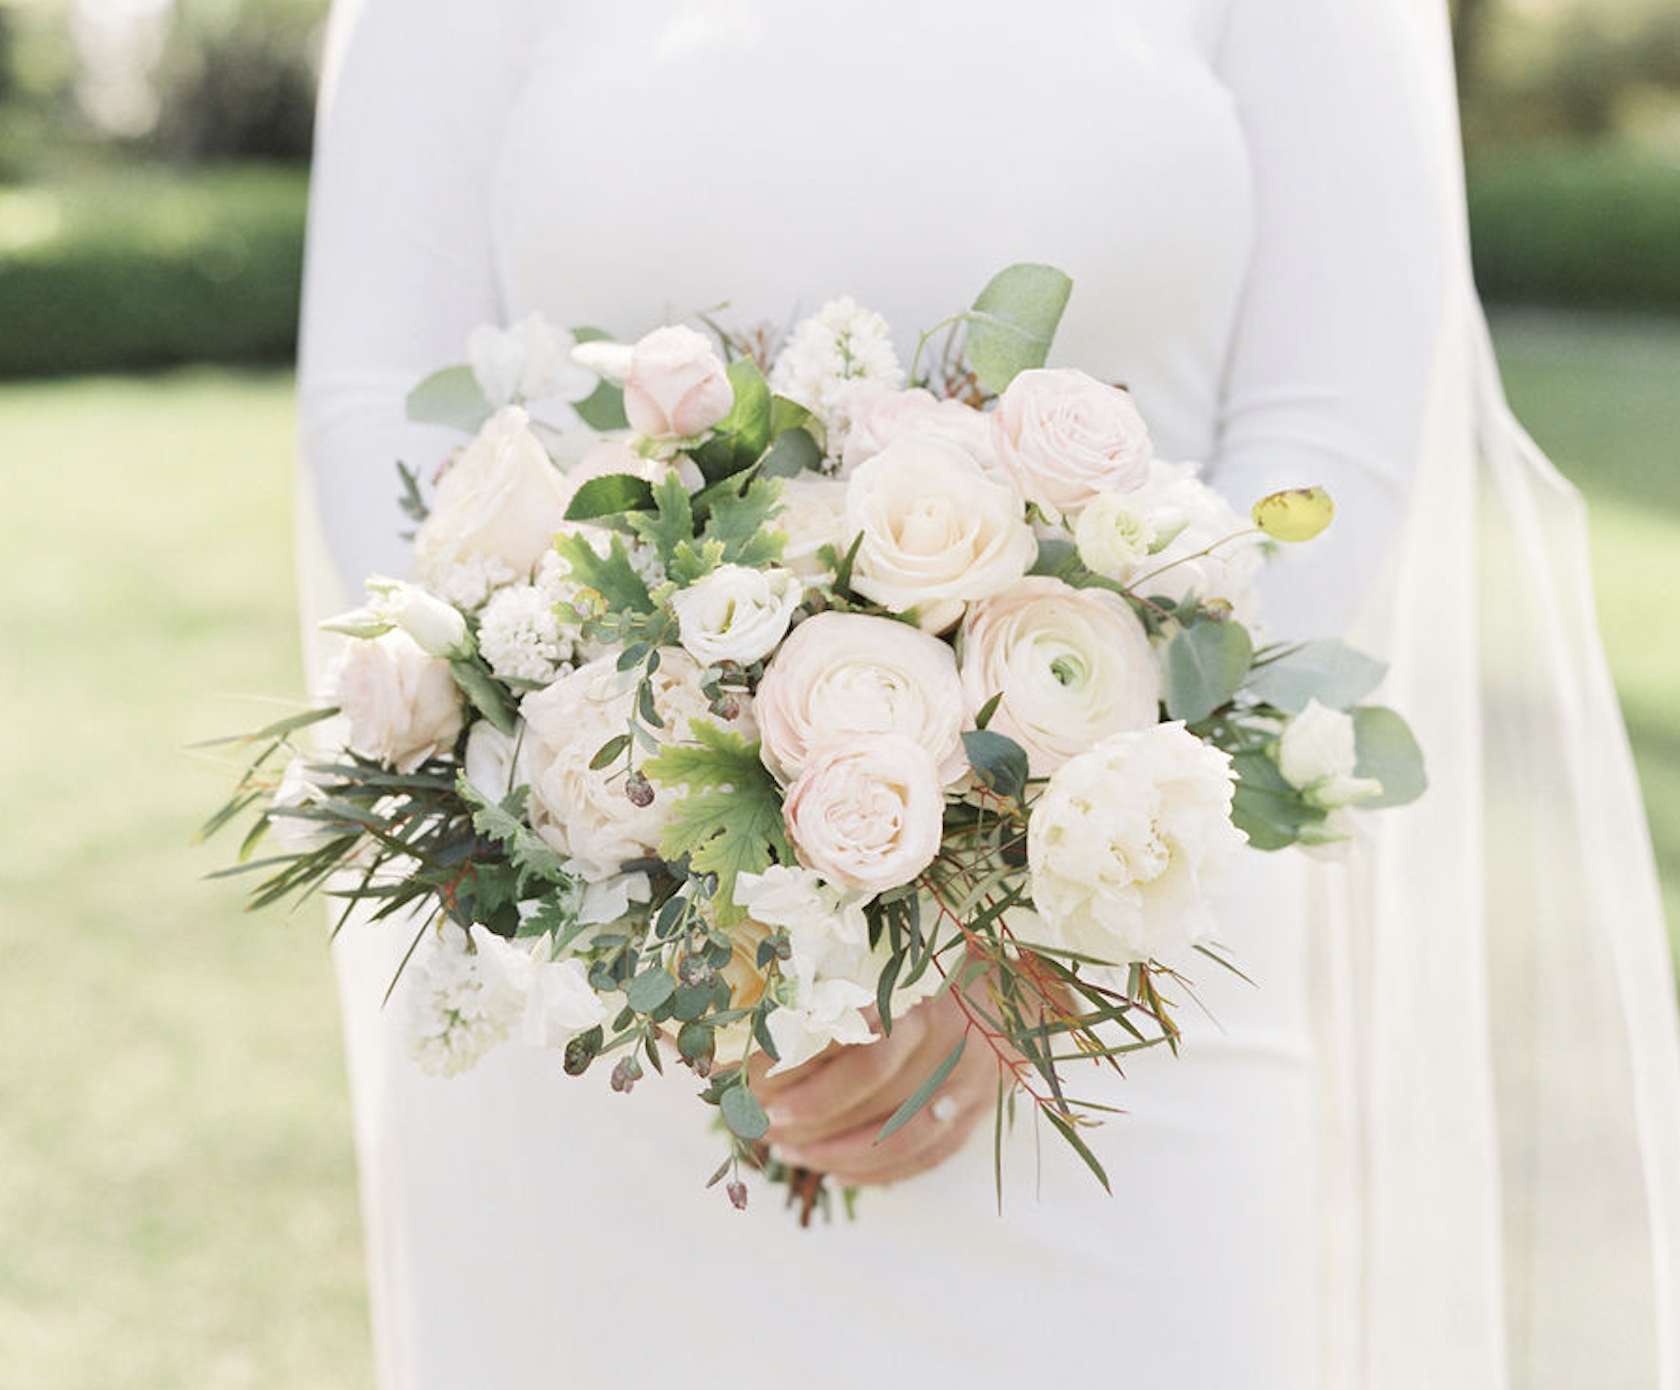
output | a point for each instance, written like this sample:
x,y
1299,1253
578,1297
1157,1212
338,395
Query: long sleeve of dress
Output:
x,y
1329,361
401,265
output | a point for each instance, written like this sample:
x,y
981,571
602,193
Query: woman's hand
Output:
x,y
825,1114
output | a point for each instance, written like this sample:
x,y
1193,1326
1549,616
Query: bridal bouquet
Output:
x,y
773,695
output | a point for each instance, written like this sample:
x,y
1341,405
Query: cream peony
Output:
x,y
813,515
584,813
867,812
736,613
494,514
1072,665
844,674
1126,841
936,532
1064,437
881,416
402,705
676,386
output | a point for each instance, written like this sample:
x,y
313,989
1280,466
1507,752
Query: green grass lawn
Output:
x,y
176,1182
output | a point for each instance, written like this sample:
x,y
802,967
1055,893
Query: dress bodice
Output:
x,y
666,157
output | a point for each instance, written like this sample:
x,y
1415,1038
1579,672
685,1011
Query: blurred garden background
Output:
x,y
176,1183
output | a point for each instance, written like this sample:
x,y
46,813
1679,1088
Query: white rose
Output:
x,y
529,362
936,532
677,386
496,509
736,613
1126,841
813,515
881,416
584,812
1072,665
1064,437
402,705
1317,754
1113,535
844,674
1179,504
867,812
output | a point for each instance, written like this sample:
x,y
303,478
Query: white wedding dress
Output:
x,y
1243,193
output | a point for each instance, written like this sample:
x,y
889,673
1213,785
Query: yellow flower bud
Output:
x,y
1297,514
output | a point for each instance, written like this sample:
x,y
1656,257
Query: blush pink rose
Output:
x,y
677,386
402,705
867,812
1064,437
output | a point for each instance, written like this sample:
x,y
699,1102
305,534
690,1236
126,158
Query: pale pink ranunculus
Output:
x,y
1064,437
677,386
812,516
498,505
880,416
867,812
840,675
937,533
402,705
1072,666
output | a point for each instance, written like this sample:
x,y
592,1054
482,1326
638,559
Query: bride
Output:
x,y
1437,1142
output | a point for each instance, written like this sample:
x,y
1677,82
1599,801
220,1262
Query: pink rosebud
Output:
x,y
677,386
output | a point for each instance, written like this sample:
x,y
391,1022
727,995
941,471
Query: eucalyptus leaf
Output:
x,y
1206,664
792,452
1265,807
1386,750
610,495
743,1114
999,761
1013,321
650,989
1329,671
450,397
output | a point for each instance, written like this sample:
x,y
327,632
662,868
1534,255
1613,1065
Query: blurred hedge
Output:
x,y
146,267
1582,227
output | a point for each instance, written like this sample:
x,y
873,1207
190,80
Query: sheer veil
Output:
x,y
1501,1069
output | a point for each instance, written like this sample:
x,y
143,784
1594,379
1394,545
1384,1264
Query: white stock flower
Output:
x,y
520,636
531,361
813,515
867,812
843,674
736,613
494,515
1113,535
1065,437
880,416
1072,666
583,812
461,1001
1178,503
1125,842
830,357
1317,754
402,705
936,532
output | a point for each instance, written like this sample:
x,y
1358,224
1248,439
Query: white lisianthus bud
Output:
x,y
1317,754
736,613
1113,536
605,358
438,629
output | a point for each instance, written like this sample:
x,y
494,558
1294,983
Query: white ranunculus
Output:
x,y
532,361
937,533
1113,535
1072,666
1126,842
1179,504
402,705
843,674
736,613
813,515
1317,754
881,416
495,511
1065,437
867,812
584,812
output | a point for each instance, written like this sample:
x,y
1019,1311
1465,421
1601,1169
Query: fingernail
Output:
x,y
777,1115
